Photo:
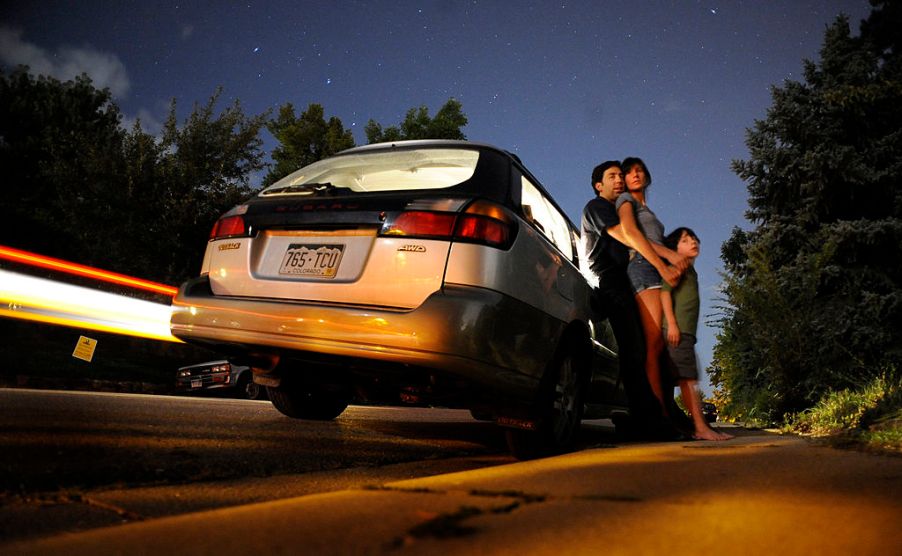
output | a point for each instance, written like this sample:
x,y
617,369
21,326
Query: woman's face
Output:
x,y
635,178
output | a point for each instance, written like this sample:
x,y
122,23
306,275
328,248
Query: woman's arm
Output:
x,y
680,261
629,234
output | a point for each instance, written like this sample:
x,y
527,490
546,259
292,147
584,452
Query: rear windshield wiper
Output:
x,y
309,189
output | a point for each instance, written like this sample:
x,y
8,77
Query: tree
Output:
x,y
79,187
418,125
60,150
170,190
304,140
814,291
205,166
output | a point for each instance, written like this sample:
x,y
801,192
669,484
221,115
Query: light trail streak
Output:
x,y
32,259
38,299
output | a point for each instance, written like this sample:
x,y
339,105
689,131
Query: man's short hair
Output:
x,y
598,172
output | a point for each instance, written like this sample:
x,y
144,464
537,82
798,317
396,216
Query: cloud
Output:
x,y
105,70
149,122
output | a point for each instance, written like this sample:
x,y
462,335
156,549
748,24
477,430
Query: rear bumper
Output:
x,y
475,334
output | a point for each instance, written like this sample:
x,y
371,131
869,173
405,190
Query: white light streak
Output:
x,y
42,300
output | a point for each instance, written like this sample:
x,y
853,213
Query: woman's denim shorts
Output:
x,y
643,275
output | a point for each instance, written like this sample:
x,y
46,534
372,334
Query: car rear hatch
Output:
x,y
317,242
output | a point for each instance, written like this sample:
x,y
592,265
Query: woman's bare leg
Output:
x,y
651,313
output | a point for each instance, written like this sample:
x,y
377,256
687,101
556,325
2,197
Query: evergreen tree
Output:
x,y
814,291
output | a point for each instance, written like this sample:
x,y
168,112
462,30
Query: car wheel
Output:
x,y
254,391
559,412
308,401
248,389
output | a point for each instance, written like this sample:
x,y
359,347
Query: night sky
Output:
x,y
564,85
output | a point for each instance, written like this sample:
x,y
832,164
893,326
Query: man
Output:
x,y
607,242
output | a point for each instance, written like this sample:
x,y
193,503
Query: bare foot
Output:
x,y
711,434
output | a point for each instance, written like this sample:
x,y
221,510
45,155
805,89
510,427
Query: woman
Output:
x,y
646,280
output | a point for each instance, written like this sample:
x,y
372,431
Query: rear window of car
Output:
x,y
395,170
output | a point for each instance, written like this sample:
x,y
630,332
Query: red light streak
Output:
x,y
19,256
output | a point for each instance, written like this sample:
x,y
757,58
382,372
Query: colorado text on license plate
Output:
x,y
312,260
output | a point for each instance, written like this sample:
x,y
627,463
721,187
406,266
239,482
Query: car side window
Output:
x,y
546,218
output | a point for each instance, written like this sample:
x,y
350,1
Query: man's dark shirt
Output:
x,y
614,300
603,251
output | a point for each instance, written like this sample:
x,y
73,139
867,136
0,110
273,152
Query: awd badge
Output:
x,y
413,248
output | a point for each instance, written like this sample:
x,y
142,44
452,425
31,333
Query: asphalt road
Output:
x,y
759,493
72,461
56,440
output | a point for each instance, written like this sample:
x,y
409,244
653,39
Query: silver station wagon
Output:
x,y
434,273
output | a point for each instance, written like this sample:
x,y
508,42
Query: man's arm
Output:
x,y
628,233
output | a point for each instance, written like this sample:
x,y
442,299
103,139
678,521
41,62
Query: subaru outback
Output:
x,y
436,273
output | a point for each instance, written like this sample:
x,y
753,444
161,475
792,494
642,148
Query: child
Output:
x,y
681,308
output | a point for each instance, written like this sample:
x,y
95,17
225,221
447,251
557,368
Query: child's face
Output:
x,y
688,246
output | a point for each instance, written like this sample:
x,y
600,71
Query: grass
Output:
x,y
869,418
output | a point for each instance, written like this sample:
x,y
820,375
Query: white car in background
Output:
x,y
219,377
424,272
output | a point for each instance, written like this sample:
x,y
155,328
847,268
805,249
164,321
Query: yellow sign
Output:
x,y
84,349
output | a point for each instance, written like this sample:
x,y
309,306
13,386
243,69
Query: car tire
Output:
x,y
559,411
308,401
248,389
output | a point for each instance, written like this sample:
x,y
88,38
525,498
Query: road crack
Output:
x,y
452,524
64,498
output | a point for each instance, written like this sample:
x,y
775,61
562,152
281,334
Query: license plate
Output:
x,y
320,261
197,383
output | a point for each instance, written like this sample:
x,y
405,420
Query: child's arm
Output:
x,y
673,331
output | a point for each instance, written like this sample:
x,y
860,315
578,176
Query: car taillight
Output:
x,y
485,222
420,223
481,222
228,226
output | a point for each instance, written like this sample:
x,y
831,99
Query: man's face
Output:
x,y
611,185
